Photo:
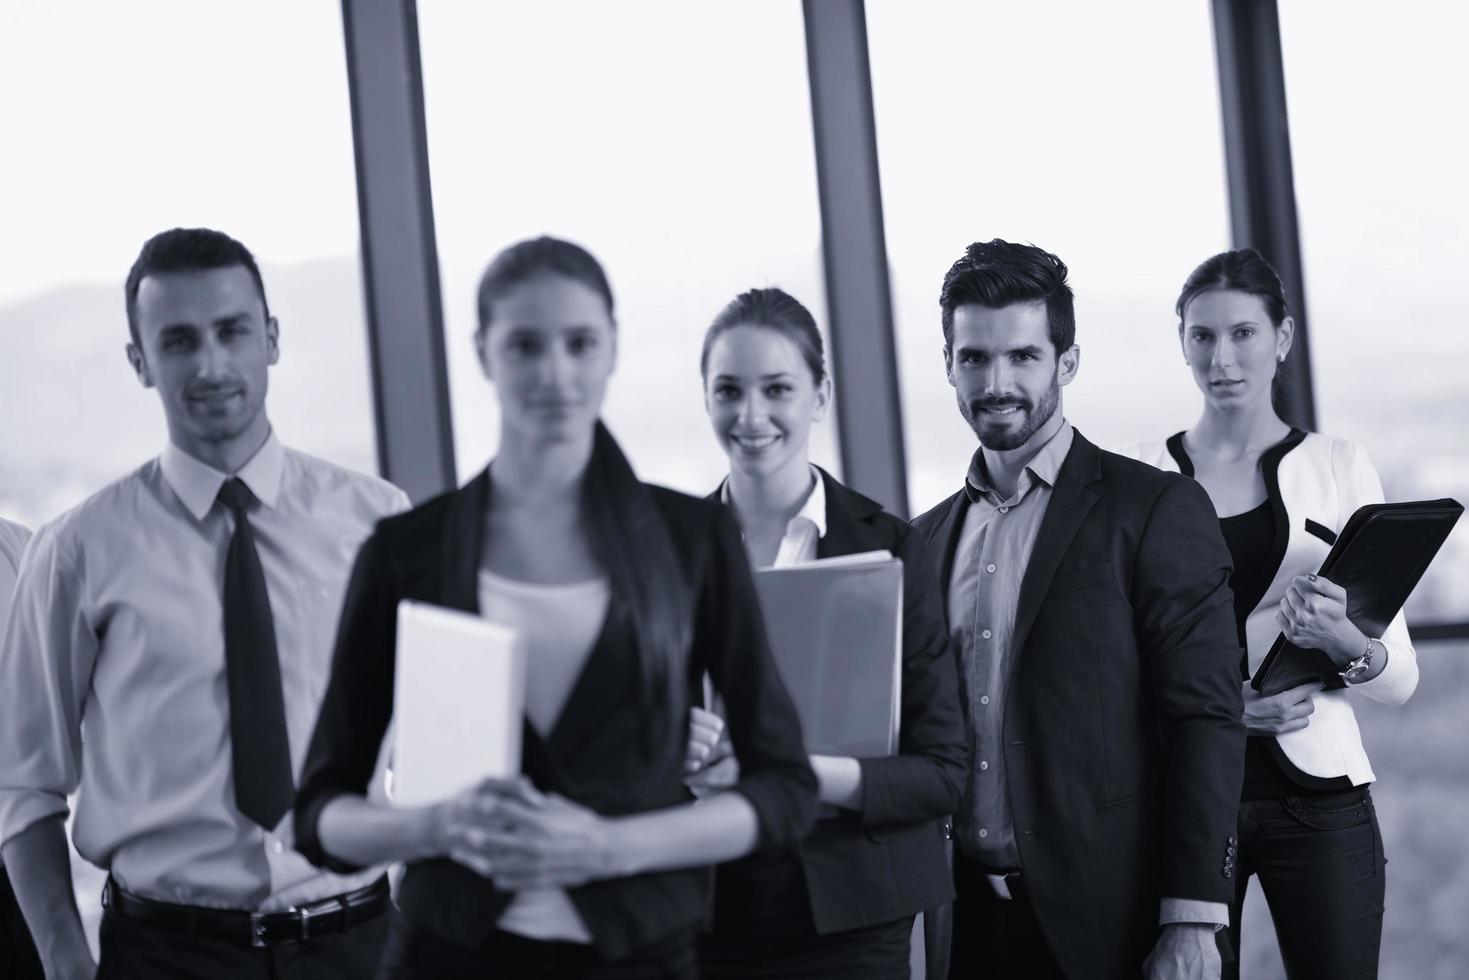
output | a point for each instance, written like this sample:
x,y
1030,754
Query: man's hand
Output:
x,y
1288,711
1185,951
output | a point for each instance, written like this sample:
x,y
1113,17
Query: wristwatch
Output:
x,y
1359,667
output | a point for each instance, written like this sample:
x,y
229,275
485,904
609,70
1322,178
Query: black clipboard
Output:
x,y
1379,557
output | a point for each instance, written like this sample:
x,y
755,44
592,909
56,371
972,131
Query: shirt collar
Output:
x,y
813,510
1045,465
197,484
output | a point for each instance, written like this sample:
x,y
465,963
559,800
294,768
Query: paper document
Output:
x,y
458,703
835,627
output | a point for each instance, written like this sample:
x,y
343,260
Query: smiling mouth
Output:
x,y
1227,382
754,443
216,397
999,411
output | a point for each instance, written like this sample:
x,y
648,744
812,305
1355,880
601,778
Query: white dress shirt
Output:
x,y
112,671
803,531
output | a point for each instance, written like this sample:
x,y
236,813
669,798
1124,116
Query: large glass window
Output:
x,y
1089,129
121,120
671,139
1384,214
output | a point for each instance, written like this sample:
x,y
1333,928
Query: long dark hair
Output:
x,y
628,535
1242,270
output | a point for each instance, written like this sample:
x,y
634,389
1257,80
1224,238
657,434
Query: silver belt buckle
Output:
x,y
1001,886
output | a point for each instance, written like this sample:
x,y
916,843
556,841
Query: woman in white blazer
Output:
x,y
1307,826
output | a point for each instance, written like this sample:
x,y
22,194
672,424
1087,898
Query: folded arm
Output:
x,y
925,780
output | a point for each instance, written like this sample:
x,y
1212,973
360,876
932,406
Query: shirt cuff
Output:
x,y
21,809
1193,910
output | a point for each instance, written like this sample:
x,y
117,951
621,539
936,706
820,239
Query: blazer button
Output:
x,y
1229,872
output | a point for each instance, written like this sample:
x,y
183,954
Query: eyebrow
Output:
x,y
1241,323
764,377
1027,349
539,328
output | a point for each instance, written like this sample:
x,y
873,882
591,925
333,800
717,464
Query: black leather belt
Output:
x,y
292,925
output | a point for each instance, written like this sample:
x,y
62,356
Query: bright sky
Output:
x,y
121,119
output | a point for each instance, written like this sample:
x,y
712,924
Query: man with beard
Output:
x,y
1087,595
168,647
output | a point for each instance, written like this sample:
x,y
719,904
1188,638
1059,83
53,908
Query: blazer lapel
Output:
x,y
463,543
846,510
1068,507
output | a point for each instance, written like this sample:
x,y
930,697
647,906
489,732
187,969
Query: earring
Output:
x,y
1280,358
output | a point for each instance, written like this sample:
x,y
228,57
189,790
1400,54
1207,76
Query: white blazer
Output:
x,y
1315,485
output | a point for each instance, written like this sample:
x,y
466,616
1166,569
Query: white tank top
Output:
x,y
560,624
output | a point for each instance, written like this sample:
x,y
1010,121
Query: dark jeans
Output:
x,y
133,950
413,953
18,960
879,952
1321,867
995,938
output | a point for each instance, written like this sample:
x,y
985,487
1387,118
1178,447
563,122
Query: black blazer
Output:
x,y
889,858
597,754
1123,739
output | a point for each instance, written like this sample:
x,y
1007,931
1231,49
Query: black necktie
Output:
x,y
261,753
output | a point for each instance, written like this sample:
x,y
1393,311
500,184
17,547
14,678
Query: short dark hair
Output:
x,y
1243,270
187,250
779,311
998,273
534,257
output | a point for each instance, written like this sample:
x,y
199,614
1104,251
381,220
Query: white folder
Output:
x,y
458,703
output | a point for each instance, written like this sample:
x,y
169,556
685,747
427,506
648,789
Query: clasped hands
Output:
x,y
520,838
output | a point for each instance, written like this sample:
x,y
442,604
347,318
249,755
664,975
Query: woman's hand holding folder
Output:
x,y
1288,711
1313,615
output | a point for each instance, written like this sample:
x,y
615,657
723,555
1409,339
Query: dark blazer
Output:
x,y
1123,739
598,753
887,859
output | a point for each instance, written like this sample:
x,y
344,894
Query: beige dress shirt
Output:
x,y
112,675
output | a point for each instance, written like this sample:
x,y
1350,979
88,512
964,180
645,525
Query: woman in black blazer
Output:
x,y
588,865
840,903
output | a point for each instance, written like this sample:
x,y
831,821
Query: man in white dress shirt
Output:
x,y
169,643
